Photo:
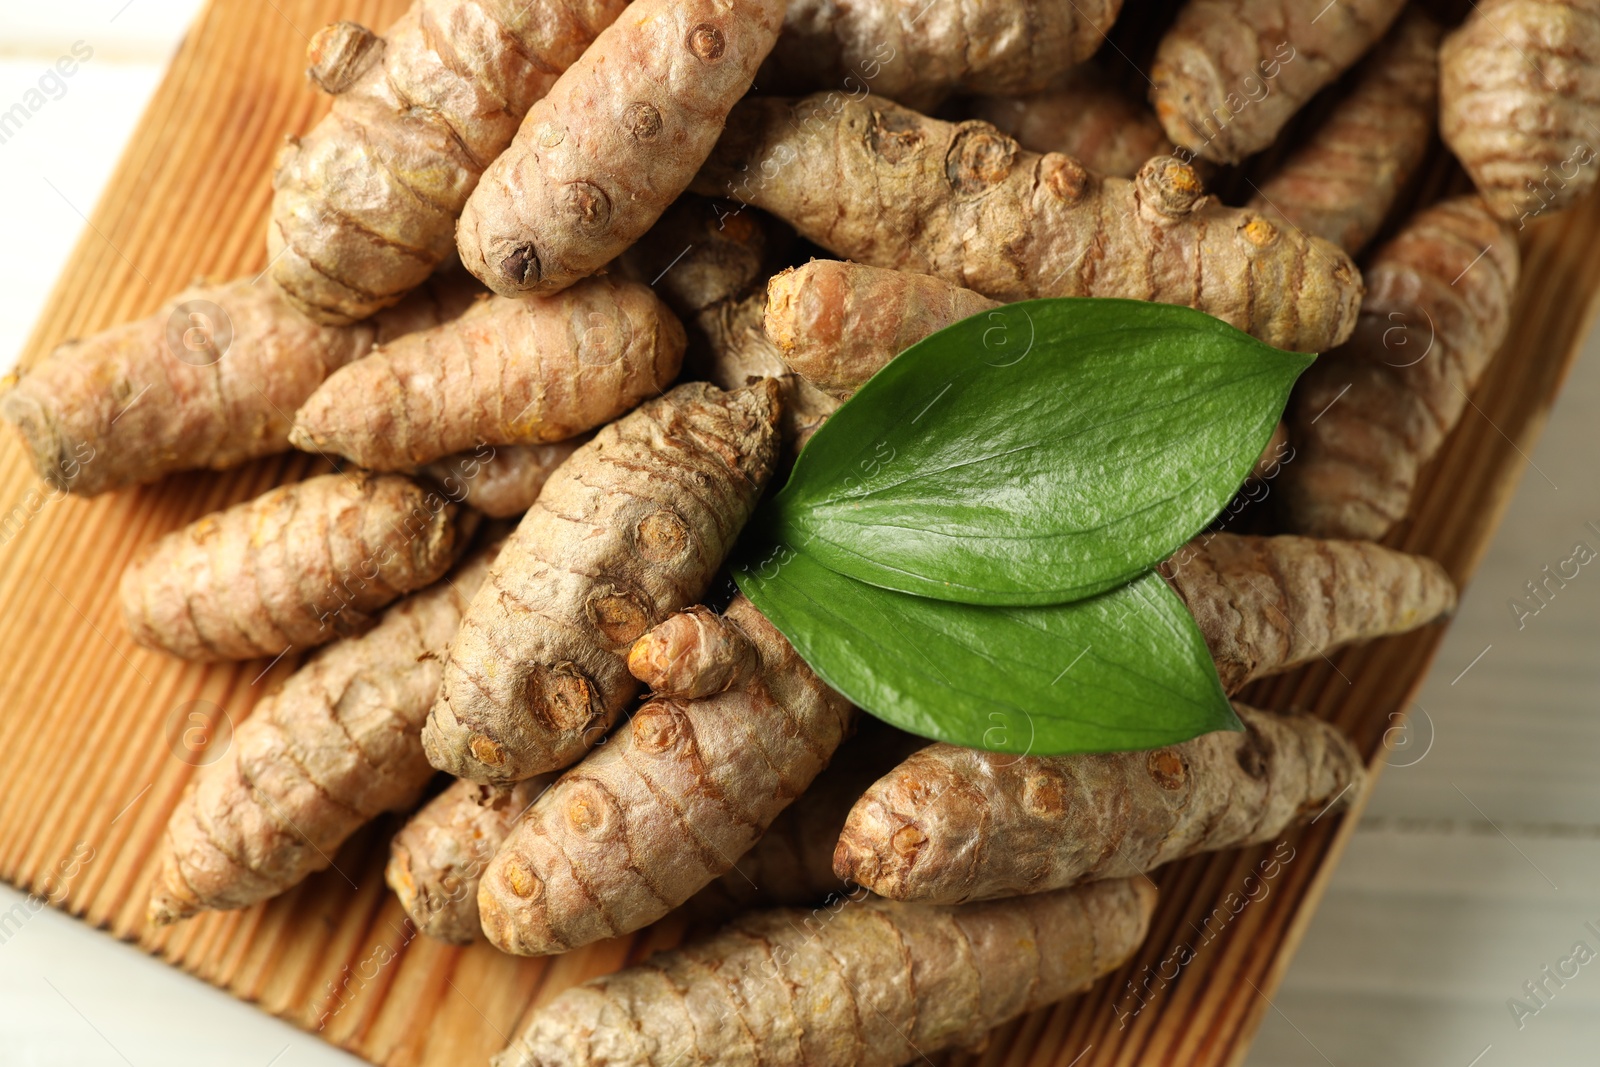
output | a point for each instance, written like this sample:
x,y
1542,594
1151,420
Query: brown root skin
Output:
x,y
1366,418
693,654
294,568
1229,74
667,805
699,254
887,47
365,205
188,388
705,259
738,353
438,857
883,185
619,136
335,746
508,372
1519,103
792,864
500,482
1097,124
632,528
837,324
871,984
339,54
951,825
1341,184
1266,604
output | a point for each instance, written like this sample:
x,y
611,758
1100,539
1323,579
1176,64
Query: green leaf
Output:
x,y
1038,453
1124,670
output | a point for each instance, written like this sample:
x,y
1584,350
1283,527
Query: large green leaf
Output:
x,y
1038,453
1124,670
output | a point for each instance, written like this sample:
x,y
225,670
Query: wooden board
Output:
x,y
90,768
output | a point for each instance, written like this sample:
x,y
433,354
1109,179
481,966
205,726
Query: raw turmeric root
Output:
x,y
1229,74
902,50
877,183
704,260
500,482
619,136
335,746
1268,604
871,985
738,728
439,856
365,205
953,824
293,568
630,529
738,353
209,381
1342,183
508,372
838,324
699,254
1105,129
1519,102
792,864
1368,417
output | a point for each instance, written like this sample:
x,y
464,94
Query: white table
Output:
x,y
1475,866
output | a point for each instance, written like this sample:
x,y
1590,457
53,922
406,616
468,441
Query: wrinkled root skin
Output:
x,y
837,324
1519,103
1341,184
208,382
1268,604
337,744
890,49
439,856
1109,132
951,825
296,567
632,528
619,136
738,729
1366,418
872,984
502,482
792,864
882,185
1228,74
364,206
508,372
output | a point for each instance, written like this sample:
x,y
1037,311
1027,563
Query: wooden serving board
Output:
x,y
91,759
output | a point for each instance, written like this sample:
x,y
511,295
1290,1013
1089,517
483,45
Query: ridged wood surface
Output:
x,y
87,722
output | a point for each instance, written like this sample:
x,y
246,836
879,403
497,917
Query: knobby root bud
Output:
x,y
953,824
883,185
438,858
630,529
739,727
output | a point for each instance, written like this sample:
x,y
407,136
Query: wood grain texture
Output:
x,y
88,724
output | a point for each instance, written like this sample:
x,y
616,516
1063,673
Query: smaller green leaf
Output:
x,y
1124,670
1038,453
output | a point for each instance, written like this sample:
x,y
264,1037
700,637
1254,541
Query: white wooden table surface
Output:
x,y
1476,867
